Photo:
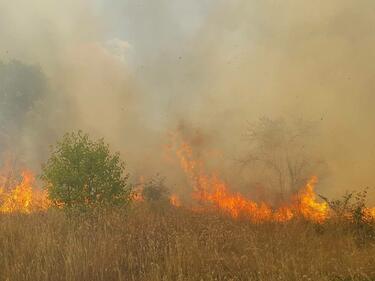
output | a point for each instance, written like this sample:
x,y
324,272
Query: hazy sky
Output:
x,y
147,65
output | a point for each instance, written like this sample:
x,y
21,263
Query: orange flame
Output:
x,y
175,200
22,197
308,206
212,192
137,191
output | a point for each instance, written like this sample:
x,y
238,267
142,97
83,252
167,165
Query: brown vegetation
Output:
x,y
167,243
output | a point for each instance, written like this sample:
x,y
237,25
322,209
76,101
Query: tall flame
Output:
x,y
307,204
23,197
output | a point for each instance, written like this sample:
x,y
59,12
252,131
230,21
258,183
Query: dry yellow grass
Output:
x,y
147,243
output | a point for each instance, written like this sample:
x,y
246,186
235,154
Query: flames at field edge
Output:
x,y
210,193
22,197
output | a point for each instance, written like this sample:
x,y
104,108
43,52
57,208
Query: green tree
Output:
x,y
84,173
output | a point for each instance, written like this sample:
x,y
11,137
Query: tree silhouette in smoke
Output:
x,y
21,86
282,151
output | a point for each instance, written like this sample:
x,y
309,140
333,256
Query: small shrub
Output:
x,y
351,211
155,190
82,173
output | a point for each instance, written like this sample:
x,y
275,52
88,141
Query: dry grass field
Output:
x,y
187,140
166,243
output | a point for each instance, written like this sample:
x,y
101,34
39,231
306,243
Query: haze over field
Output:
x,y
132,71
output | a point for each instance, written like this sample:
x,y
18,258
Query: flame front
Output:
x,y
214,193
209,191
23,197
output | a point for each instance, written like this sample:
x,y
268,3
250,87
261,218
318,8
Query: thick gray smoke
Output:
x,y
131,71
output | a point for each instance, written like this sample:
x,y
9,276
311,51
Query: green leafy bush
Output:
x,y
84,173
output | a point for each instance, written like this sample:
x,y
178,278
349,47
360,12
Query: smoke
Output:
x,y
308,60
131,71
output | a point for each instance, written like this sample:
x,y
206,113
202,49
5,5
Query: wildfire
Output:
x,y
175,200
213,193
138,188
23,197
370,213
210,192
308,206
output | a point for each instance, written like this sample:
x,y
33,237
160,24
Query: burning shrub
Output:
x,y
84,173
351,211
351,207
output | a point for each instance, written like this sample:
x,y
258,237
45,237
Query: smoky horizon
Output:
x,y
267,94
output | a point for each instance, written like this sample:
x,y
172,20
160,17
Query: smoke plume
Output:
x,y
132,71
